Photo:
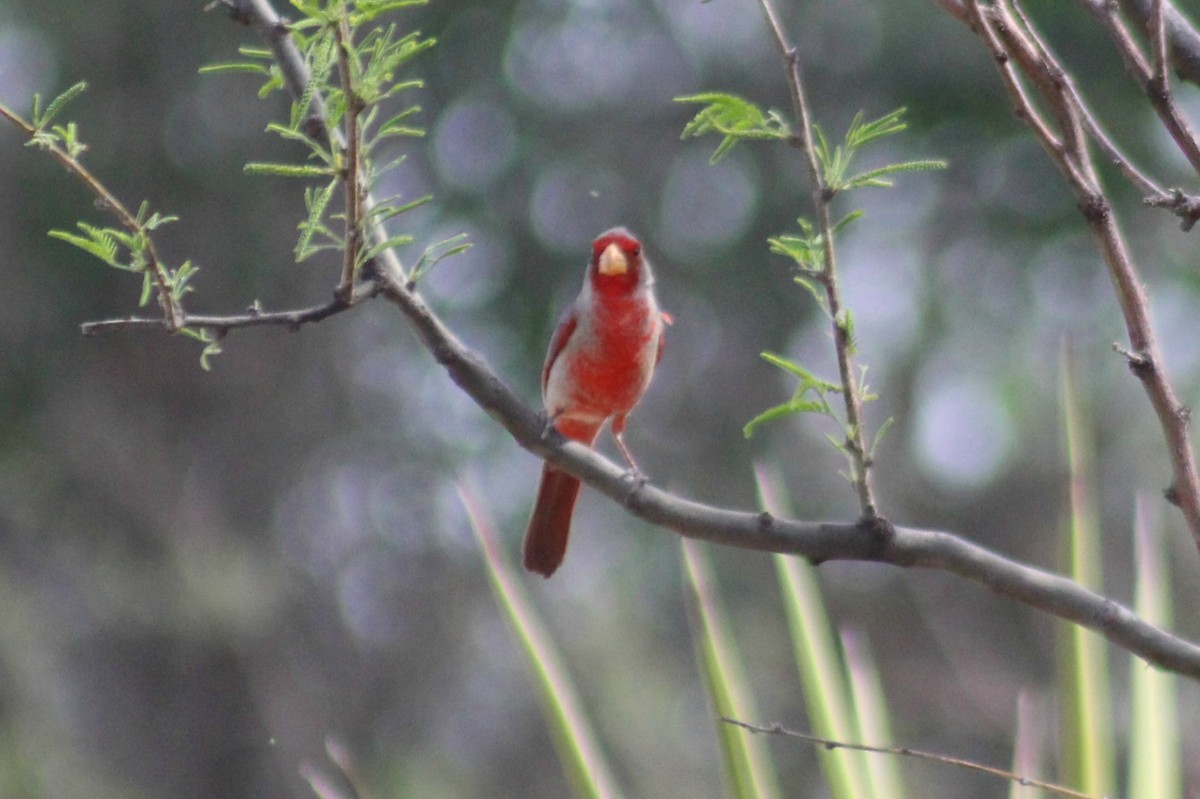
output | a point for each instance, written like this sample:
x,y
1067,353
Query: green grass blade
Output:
x,y
748,768
822,674
1088,738
587,770
871,713
1154,767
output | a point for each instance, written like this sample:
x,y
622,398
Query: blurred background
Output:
x,y
205,574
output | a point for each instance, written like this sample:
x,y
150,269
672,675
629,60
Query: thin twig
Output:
x,y
254,317
1012,49
904,751
1182,37
352,170
821,198
1145,72
171,305
1158,43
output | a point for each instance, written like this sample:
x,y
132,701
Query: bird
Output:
x,y
601,359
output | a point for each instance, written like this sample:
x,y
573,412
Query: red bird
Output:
x,y
601,359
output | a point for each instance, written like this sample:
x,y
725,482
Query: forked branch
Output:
x,y
1026,64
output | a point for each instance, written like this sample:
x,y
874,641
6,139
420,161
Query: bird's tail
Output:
x,y
550,524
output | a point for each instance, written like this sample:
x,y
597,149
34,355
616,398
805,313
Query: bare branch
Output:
x,y
254,316
1146,72
1013,48
904,751
1181,34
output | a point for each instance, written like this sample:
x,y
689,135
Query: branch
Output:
x,y
1015,46
352,170
821,198
254,316
1150,73
171,307
816,541
1181,35
904,751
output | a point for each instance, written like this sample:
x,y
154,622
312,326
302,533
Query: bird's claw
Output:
x,y
547,421
637,477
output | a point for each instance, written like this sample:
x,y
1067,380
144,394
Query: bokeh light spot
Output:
x,y
473,143
964,434
705,204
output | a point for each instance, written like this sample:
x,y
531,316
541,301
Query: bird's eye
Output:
x,y
635,251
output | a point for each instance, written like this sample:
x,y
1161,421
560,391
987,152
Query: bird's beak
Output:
x,y
613,261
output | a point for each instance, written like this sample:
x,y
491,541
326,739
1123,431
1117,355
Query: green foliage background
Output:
x,y
204,574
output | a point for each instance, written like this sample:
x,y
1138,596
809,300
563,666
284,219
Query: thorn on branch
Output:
x,y
765,522
1140,363
1171,494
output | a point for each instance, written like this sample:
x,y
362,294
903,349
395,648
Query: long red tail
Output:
x,y
550,524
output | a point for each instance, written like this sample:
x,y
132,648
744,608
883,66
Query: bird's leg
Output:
x,y
547,420
618,431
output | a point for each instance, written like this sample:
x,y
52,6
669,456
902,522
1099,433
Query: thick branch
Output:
x,y
816,541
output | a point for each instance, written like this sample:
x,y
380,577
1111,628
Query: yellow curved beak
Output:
x,y
613,261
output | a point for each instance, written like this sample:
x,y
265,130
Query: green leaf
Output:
x,y
1086,690
97,242
819,662
318,149
1154,736
157,220
234,66
41,119
180,279
316,202
748,769
147,288
861,133
846,220
287,170
733,118
874,177
879,434
386,210
367,10
817,293
588,771
436,253
799,371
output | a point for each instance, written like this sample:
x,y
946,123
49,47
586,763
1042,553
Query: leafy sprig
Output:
x,y
352,82
733,118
